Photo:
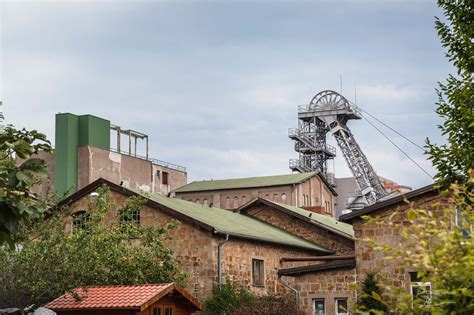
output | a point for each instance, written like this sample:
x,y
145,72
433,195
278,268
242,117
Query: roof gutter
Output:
x,y
297,294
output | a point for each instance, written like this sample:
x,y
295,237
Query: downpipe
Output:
x,y
297,294
219,260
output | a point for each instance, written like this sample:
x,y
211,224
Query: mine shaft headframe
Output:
x,y
329,111
327,100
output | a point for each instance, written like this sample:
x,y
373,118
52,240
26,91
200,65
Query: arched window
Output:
x,y
80,220
227,203
283,197
205,202
244,199
236,202
198,201
267,196
275,197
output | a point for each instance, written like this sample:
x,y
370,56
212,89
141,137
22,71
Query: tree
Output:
x,y
370,300
18,205
52,260
456,97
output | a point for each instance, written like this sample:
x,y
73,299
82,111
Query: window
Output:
x,y
341,307
257,272
236,202
168,311
164,179
244,200
319,307
462,222
420,290
128,216
158,173
156,311
283,197
227,203
79,220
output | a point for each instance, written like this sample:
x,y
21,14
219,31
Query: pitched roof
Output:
x,y
385,203
324,221
233,223
213,219
296,271
134,297
249,182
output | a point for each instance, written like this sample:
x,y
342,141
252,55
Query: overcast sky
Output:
x,y
216,84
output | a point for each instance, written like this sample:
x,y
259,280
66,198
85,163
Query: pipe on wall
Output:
x,y
219,260
297,294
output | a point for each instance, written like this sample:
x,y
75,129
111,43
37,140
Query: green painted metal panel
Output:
x,y
65,179
94,131
73,131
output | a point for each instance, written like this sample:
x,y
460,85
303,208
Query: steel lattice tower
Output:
x,y
329,111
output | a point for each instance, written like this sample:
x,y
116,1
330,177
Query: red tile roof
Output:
x,y
111,297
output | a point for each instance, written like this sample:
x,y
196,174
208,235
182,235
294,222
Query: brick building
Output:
x,y
391,210
250,249
300,189
314,227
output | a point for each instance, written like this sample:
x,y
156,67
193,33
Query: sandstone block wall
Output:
x,y
319,236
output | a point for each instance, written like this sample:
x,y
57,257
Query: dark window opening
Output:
x,y
341,307
164,179
80,220
168,311
127,216
257,272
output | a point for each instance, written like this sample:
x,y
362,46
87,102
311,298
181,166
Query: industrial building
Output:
x,y
308,190
83,153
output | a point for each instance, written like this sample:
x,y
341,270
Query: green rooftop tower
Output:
x,y
74,131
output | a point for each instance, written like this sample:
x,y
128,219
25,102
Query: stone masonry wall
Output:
x,y
196,249
328,285
368,260
319,236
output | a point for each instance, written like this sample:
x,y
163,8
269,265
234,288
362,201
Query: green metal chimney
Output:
x,y
74,131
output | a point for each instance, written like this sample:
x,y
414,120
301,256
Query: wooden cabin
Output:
x,y
147,299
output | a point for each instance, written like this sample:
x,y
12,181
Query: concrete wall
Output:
x,y
94,163
47,184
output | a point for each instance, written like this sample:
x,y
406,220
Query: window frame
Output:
x,y
420,284
336,300
324,305
80,225
260,282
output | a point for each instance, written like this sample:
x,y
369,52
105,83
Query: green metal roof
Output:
x,y
249,182
233,223
320,218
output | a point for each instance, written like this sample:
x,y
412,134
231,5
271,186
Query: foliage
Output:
x,y
226,299
437,244
268,304
18,205
230,300
370,300
456,96
52,260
